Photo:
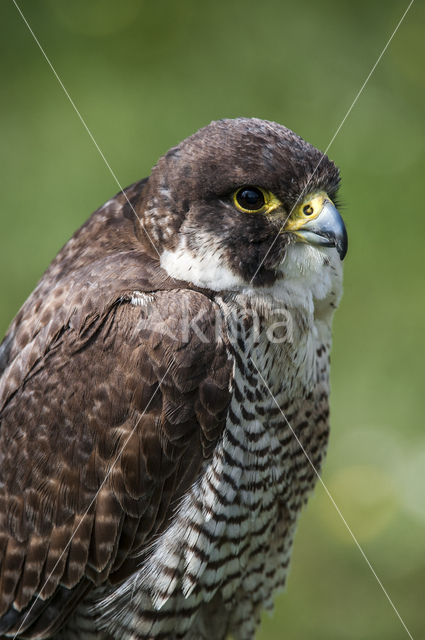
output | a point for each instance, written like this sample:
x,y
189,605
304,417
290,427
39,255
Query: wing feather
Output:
x,y
97,443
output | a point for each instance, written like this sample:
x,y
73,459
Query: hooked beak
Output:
x,y
317,221
327,230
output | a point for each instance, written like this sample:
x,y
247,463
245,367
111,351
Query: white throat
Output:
x,y
311,277
204,267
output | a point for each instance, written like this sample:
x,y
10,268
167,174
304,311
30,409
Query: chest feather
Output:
x,y
232,533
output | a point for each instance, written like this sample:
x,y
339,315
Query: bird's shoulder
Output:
x,y
114,390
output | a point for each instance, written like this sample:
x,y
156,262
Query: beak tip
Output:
x,y
342,245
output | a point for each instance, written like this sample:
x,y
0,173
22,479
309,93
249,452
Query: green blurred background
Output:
x,y
146,74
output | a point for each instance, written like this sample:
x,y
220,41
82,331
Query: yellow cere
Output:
x,y
309,209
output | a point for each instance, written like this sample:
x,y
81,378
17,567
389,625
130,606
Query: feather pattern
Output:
x,y
150,485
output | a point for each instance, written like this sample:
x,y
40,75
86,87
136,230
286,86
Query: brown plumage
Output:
x,y
116,388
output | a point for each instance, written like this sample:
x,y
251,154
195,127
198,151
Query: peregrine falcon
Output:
x,y
164,396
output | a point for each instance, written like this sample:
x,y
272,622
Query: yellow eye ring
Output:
x,y
251,199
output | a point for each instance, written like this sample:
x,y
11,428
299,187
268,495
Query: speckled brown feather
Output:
x,y
84,383
112,405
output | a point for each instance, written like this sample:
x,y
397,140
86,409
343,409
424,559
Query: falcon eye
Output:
x,y
308,210
249,199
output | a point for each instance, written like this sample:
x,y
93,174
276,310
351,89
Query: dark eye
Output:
x,y
250,198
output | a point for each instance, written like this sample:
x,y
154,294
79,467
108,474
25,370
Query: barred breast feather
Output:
x,y
164,396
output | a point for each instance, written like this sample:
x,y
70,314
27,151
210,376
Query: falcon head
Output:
x,y
244,202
